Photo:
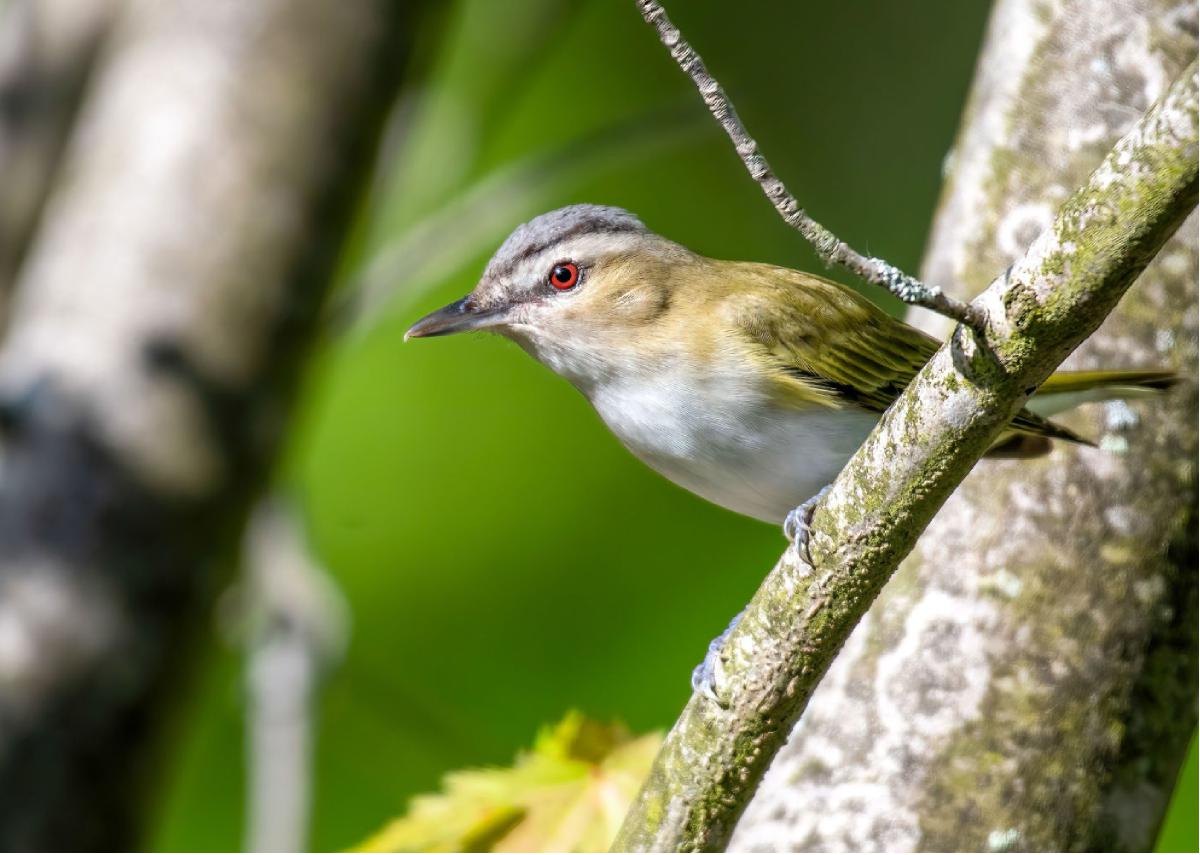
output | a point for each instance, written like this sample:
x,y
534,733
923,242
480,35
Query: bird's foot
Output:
x,y
704,675
797,526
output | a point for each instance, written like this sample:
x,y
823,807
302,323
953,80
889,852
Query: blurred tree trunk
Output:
x,y
155,333
47,51
1028,678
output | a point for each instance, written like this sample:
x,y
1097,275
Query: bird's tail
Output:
x,y
1067,390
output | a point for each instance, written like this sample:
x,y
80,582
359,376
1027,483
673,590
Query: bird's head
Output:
x,y
575,287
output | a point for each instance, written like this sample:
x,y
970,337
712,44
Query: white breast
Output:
x,y
727,443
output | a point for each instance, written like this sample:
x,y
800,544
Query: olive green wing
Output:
x,y
826,344
829,345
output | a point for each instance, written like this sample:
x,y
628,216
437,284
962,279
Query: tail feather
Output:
x,y
1030,422
1066,390
1083,381
1069,389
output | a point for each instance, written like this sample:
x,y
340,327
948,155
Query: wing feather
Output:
x,y
832,346
831,340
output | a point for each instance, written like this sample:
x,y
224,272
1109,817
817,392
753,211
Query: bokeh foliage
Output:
x,y
504,558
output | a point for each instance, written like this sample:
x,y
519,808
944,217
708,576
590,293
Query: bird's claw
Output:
x,y
704,675
797,525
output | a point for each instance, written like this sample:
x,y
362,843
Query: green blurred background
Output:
x,y
504,558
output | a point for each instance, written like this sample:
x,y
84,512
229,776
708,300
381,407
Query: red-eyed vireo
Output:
x,y
747,384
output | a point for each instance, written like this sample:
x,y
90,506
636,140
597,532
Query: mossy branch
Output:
x,y
1037,313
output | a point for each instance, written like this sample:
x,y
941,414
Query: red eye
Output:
x,y
564,276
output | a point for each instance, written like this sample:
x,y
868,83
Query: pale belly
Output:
x,y
732,449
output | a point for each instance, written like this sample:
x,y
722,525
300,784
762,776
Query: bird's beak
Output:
x,y
460,316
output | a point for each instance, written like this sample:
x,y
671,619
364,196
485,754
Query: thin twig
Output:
x,y
831,248
1055,297
298,627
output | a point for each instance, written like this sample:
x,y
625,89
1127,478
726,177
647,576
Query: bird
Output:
x,y
748,384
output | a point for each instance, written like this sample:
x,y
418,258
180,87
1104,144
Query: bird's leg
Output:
x,y
704,675
797,526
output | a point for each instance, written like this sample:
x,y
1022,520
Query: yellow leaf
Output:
x,y
568,794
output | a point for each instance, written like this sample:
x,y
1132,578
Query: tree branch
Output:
x,y
828,246
1038,312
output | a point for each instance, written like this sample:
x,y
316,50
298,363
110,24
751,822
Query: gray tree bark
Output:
x,y
1027,679
155,334
47,51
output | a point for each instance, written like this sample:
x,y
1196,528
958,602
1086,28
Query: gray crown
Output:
x,y
553,227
